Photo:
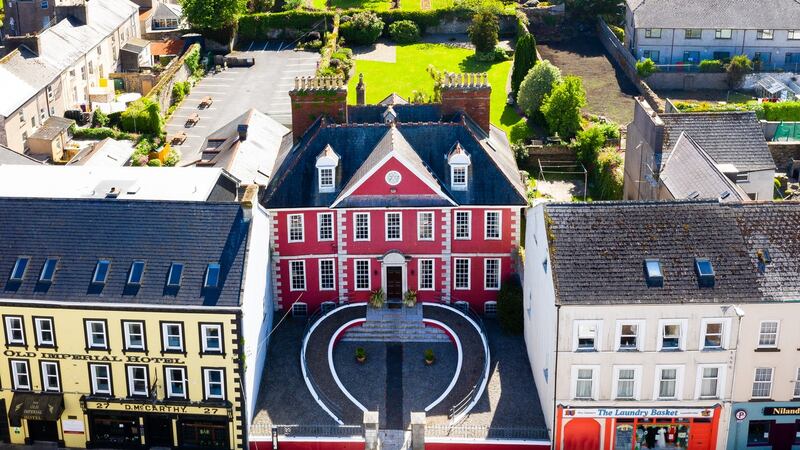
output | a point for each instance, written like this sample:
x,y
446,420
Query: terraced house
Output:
x,y
127,323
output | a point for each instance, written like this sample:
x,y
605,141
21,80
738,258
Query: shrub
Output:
x,y
98,133
536,85
143,116
783,111
99,119
363,28
180,90
588,143
562,108
608,175
619,32
496,55
154,163
739,66
524,60
483,31
292,4
404,32
710,65
192,60
610,129
646,67
509,305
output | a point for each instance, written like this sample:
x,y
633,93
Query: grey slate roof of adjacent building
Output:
x,y
79,232
689,173
728,137
736,14
405,113
8,156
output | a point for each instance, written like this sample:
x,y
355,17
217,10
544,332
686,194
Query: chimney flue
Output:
x,y
361,91
242,130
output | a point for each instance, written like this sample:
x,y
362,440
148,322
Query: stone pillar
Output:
x,y
371,430
361,91
418,430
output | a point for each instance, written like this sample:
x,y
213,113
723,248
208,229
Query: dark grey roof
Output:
x,y
690,173
52,127
737,14
8,156
405,113
728,137
79,232
598,252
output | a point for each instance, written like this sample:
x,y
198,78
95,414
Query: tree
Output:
x,y
562,108
363,28
646,67
483,31
524,60
739,66
213,14
587,143
143,116
536,85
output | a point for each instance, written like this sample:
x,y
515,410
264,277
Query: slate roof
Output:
x,y
736,14
405,113
52,128
690,173
728,137
8,156
81,231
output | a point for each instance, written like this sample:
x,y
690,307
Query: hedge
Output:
x,y
608,175
783,111
99,134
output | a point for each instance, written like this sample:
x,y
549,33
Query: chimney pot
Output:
x,y
242,130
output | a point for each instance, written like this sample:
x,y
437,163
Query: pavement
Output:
x,y
264,86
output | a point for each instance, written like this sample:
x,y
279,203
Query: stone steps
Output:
x,y
394,439
395,325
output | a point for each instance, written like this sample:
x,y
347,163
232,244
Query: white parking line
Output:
x,y
265,46
203,91
251,46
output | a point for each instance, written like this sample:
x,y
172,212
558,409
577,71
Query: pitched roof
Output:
x,y
728,137
79,232
108,152
404,113
166,47
52,127
736,14
690,173
8,156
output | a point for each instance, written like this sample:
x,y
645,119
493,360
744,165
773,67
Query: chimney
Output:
x,y
77,9
249,198
469,93
361,91
317,97
31,41
242,130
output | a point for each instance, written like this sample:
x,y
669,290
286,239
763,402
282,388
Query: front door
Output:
x,y
394,285
43,430
700,436
4,434
158,431
782,435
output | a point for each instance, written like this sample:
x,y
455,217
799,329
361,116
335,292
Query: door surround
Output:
x,y
394,258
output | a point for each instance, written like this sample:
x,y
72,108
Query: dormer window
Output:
x,y
389,116
327,161
459,162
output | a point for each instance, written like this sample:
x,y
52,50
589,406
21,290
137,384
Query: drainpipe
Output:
x,y
672,48
739,314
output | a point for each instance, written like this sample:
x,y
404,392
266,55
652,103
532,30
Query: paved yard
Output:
x,y
264,86
608,91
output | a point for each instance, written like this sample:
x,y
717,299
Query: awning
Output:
x,y
32,406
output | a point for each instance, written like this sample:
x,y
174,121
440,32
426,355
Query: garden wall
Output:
x,y
135,81
783,153
716,81
175,72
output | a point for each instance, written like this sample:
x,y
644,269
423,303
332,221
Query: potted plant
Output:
x,y
429,357
376,298
361,355
410,298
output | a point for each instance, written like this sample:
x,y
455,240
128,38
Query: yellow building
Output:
x,y
124,322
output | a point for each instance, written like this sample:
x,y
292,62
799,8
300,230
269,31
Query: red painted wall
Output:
x,y
310,244
309,445
483,446
478,243
409,243
409,184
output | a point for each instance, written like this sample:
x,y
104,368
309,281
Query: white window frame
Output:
x,y
207,384
169,373
204,337
455,274
356,275
640,335
649,33
95,376
637,383
486,215
326,187
320,228
486,274
459,186
771,382
719,33
574,383
765,34
796,393
332,274
46,386
679,371
576,325
37,328
90,334
356,227
16,364
456,235
126,333
432,262
723,339
699,381
399,216
289,222
682,323
11,327
420,231
302,265
761,333
165,335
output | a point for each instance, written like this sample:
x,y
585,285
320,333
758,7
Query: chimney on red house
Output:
x,y
469,93
313,97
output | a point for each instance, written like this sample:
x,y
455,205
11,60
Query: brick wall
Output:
x,y
310,104
474,101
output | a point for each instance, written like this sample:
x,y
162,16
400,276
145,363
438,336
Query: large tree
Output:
x,y
212,14
483,31
536,85
562,108
524,59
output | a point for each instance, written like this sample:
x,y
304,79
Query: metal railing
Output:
x,y
265,429
486,432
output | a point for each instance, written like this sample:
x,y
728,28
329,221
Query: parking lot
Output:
x,y
264,86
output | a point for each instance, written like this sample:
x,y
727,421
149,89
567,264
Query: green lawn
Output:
x,y
408,74
380,5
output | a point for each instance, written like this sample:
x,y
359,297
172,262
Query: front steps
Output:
x,y
395,325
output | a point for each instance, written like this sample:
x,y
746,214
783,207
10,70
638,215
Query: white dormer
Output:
x,y
459,162
327,161
389,115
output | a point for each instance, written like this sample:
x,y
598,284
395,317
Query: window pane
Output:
x,y
668,383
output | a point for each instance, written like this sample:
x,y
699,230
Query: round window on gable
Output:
x,y
393,177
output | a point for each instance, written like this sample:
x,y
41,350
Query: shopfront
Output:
x,y
636,428
765,425
40,413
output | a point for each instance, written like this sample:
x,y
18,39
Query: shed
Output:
x,y
51,138
135,54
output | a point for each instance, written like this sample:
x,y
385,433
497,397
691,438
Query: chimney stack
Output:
x,y
361,91
314,97
77,9
242,130
31,41
249,198
469,93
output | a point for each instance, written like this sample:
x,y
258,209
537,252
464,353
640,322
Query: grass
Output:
x,y
379,5
409,73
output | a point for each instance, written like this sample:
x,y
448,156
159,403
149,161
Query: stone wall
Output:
x,y
136,82
783,153
508,25
175,72
549,153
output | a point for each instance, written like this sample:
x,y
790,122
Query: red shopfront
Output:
x,y
636,428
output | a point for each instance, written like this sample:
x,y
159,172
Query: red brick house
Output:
x,y
396,196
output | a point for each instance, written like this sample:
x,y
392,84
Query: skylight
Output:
x,y
175,272
705,272
136,272
19,269
655,278
101,271
212,276
48,270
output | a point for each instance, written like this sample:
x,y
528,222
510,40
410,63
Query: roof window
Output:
x,y
48,270
212,276
175,272
136,273
101,271
653,273
19,269
705,272
764,256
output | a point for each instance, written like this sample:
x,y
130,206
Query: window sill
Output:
x,y
627,350
767,350
586,350
202,354
173,352
712,349
758,400
671,350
